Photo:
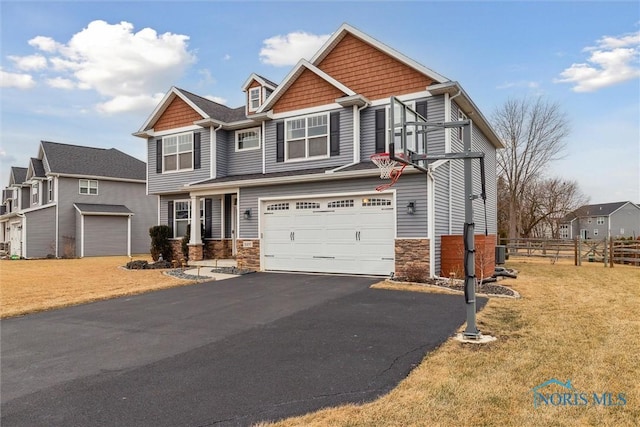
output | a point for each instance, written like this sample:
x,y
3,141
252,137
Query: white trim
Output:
x,y
307,111
356,134
259,79
158,221
57,229
257,129
81,235
404,98
97,177
182,129
129,236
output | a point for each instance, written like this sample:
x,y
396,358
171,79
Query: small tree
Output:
x,y
160,243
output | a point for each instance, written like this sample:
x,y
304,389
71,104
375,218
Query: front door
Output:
x,y
15,238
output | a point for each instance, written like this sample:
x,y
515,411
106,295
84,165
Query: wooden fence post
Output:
x,y
612,250
604,253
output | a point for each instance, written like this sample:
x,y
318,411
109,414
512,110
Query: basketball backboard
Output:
x,y
407,130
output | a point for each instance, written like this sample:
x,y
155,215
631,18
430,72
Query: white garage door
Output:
x,y
352,235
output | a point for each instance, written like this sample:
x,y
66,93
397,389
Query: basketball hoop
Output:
x,y
389,169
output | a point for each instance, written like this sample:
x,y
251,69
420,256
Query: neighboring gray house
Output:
x,y
285,182
618,219
77,201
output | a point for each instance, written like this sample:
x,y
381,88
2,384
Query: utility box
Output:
x,y
501,254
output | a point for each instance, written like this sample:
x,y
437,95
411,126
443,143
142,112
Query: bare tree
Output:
x,y
533,132
545,202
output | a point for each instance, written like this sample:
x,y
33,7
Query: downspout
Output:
x,y
431,224
214,151
263,138
356,139
447,143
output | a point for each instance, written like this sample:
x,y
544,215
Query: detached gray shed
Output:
x,y
103,230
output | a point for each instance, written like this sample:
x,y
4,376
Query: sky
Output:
x,y
91,72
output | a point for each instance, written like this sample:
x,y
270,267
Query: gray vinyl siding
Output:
x,y
479,143
173,181
441,196
222,152
409,187
627,218
104,235
346,147
40,234
25,198
242,162
435,139
131,195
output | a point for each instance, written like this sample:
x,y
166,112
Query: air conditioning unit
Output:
x,y
501,254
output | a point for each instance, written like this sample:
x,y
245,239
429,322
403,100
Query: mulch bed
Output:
x,y
488,287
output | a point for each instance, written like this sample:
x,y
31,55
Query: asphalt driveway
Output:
x,y
258,347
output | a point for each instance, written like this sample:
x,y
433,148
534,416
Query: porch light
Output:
x,y
411,207
247,214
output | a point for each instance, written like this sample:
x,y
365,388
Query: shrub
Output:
x,y
414,272
160,243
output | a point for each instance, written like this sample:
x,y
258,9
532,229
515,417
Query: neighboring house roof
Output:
x,y
18,175
37,168
98,209
66,159
602,209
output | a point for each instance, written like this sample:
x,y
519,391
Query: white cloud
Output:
x,y
127,68
522,83
226,57
60,83
20,81
30,62
290,48
217,99
613,60
125,103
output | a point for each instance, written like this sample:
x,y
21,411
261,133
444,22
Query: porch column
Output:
x,y
195,238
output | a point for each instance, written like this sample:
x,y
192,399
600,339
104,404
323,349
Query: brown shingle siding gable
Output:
x,y
177,114
371,72
309,90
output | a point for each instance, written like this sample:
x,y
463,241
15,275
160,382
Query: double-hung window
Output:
x,y
307,137
89,186
35,197
600,220
248,139
177,152
50,189
182,216
254,98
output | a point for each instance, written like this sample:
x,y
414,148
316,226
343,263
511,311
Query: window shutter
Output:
x,y
280,142
208,218
170,215
158,156
421,108
381,129
196,150
334,137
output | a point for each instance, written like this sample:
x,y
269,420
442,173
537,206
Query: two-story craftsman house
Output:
x,y
285,182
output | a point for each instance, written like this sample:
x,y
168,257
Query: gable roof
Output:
x,y
602,209
18,175
300,67
260,79
77,160
35,169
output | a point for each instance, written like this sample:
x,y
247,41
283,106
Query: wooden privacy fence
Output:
x,y
607,251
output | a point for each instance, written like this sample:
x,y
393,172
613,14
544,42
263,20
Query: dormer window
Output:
x,y
254,98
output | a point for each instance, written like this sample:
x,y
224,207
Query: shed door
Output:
x,y
354,235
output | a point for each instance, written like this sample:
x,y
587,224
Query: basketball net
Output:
x,y
389,169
